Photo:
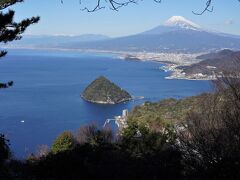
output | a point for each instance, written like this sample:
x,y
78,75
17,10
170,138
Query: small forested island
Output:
x,y
103,91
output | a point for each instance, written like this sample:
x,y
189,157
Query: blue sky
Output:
x,y
68,19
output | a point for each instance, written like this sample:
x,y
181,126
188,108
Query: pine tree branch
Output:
x,y
10,30
6,3
3,53
6,85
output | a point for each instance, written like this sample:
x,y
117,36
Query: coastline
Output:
x,y
171,61
177,73
105,102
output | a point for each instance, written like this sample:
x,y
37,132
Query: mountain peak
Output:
x,y
181,22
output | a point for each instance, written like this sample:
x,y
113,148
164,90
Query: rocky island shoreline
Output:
x,y
103,91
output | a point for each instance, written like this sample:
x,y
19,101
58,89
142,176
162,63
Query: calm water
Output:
x,y
47,87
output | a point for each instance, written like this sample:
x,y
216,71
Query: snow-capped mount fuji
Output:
x,y
175,23
175,35
181,22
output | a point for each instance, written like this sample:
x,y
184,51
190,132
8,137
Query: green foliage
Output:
x,y
151,126
11,30
103,90
96,156
167,111
63,142
140,139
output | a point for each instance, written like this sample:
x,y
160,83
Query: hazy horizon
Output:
x,y
137,18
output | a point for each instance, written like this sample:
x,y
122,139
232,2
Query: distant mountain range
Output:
x,y
56,40
176,35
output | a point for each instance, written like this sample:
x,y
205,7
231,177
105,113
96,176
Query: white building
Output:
x,y
125,113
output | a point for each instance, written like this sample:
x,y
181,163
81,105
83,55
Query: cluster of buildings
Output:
x,y
121,121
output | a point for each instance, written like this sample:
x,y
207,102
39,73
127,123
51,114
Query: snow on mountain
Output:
x,y
182,22
177,34
173,24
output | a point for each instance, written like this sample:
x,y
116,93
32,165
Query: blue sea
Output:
x,y
45,99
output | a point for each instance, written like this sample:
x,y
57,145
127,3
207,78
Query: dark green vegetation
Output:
x,y
4,156
103,91
64,142
193,138
167,111
10,30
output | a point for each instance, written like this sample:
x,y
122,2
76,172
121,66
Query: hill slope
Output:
x,y
167,111
214,64
103,91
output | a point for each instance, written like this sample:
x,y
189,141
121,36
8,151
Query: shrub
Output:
x,y
63,142
4,148
94,136
211,139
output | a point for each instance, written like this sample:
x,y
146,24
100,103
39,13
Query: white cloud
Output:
x,y
229,22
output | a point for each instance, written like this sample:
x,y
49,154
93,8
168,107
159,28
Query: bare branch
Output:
x,y
112,4
117,4
208,8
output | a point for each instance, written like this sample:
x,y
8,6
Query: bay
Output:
x,y
45,99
